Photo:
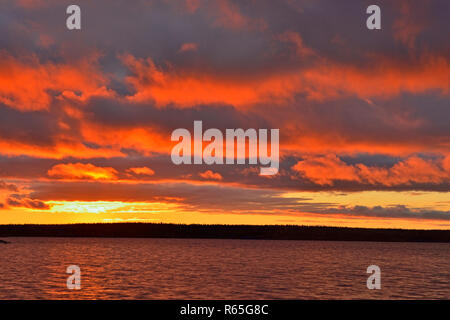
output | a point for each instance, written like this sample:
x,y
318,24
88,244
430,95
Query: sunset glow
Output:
x,y
86,117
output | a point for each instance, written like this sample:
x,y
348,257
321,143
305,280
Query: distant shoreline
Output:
x,y
267,232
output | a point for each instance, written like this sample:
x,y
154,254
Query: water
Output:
x,y
34,268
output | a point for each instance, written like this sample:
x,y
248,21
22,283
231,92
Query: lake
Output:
x,y
124,268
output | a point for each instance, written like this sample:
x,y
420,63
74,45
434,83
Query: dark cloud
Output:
x,y
27,203
399,211
336,30
123,114
8,186
245,175
220,198
35,128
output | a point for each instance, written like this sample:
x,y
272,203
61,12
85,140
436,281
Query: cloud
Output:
x,y
385,78
191,197
192,5
411,22
82,171
229,15
185,89
357,110
188,46
142,171
26,84
322,81
325,170
399,211
27,203
210,175
8,186
295,38
30,3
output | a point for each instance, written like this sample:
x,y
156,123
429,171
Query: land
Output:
x,y
268,232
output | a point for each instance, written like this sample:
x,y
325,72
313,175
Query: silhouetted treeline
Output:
x,y
275,232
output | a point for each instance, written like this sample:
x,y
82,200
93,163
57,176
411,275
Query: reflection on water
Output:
x,y
34,268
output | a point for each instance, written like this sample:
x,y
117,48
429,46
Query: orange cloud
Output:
x,y
25,84
186,88
82,171
323,80
325,170
310,138
142,171
58,151
384,79
144,139
210,175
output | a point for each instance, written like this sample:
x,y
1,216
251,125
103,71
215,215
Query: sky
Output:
x,y
86,115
